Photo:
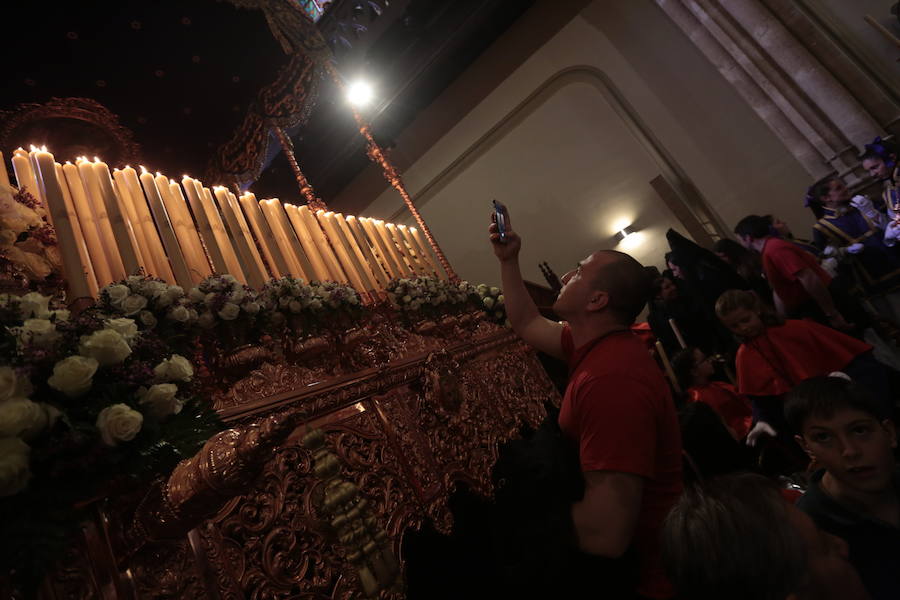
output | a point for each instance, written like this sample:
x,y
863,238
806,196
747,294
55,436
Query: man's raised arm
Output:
x,y
526,320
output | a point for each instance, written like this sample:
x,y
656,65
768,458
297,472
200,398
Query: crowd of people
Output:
x,y
751,452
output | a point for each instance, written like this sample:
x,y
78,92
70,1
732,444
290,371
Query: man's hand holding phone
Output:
x,y
505,241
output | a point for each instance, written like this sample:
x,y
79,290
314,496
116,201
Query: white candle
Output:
x,y
288,240
426,252
88,223
254,273
155,253
74,271
169,240
184,228
25,178
362,242
194,190
390,267
400,246
83,256
145,257
107,237
233,265
342,252
278,265
421,263
4,175
322,245
203,267
122,228
356,253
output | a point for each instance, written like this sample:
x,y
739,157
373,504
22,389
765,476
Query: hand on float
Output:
x,y
864,205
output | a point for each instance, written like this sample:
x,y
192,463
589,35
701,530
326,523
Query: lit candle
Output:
x,y
342,252
422,264
390,268
232,265
184,228
25,178
88,223
254,274
317,266
194,190
155,254
83,256
426,252
365,246
322,245
385,237
247,236
166,233
37,192
98,206
402,251
4,175
74,270
122,227
126,202
361,261
278,265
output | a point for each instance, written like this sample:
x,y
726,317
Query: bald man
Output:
x,y
617,406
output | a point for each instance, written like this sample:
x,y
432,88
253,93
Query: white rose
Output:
x,y
500,299
73,375
33,304
117,294
180,313
133,304
488,302
25,419
127,328
252,307
14,472
40,332
160,400
284,301
174,368
210,298
237,296
230,311
207,320
315,304
148,319
295,306
156,288
107,346
196,295
119,423
495,291
229,278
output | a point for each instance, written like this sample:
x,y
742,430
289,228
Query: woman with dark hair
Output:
x,y
880,160
747,263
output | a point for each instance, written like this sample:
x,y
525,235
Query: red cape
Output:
x,y
773,363
723,398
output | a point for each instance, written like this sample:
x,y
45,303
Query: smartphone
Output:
x,y
500,219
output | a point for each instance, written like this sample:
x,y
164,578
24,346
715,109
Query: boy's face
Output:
x,y
854,446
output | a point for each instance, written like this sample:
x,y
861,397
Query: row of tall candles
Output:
x,y
110,225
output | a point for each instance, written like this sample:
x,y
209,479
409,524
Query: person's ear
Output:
x,y
801,441
891,430
598,301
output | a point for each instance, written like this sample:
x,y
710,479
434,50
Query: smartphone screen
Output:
x,y
500,217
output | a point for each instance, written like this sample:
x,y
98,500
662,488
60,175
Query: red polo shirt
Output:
x,y
619,409
782,261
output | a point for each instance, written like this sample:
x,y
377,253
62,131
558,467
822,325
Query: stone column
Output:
x,y
764,106
817,118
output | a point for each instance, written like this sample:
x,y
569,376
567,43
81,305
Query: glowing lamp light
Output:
x,y
624,233
360,93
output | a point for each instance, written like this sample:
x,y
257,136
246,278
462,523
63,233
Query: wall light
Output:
x,y
360,93
624,233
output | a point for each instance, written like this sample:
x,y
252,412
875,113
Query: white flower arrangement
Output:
x,y
148,301
492,303
222,298
428,293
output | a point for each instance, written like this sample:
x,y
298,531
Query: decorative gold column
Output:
x,y
314,202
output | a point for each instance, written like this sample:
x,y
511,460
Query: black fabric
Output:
x,y
713,450
874,546
521,545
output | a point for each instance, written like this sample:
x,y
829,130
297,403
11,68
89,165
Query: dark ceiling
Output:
x,y
180,75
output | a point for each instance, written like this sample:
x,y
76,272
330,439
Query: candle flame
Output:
x,y
33,148
158,174
43,148
413,230
143,170
185,176
97,159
